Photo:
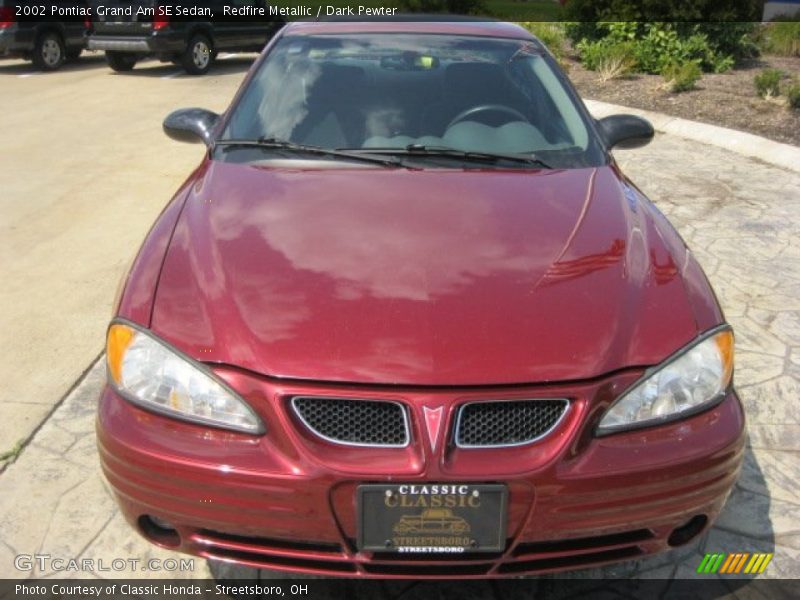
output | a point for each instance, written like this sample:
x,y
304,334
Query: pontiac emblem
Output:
x,y
433,422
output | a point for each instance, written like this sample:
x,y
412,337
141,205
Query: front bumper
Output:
x,y
150,44
15,41
286,500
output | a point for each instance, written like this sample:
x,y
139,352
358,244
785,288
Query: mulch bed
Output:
x,y
725,99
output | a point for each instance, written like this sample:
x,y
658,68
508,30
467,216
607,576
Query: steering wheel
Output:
x,y
486,108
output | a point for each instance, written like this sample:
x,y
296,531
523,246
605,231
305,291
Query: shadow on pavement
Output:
x,y
16,66
743,527
146,68
150,68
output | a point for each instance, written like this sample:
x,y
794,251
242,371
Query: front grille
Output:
x,y
332,558
209,536
584,544
354,422
316,556
570,561
507,423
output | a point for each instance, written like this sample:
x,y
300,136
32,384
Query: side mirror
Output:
x,y
626,131
191,125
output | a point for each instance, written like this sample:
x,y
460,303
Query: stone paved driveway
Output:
x,y
741,218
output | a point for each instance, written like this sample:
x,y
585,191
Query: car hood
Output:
x,y
433,277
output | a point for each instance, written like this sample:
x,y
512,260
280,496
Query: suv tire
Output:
x,y
199,55
49,52
120,61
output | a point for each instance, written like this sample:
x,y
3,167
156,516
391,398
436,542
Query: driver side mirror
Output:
x,y
626,131
191,125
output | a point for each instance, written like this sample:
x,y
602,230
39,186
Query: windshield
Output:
x,y
371,92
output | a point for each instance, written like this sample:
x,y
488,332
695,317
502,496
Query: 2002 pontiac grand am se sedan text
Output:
x,y
408,318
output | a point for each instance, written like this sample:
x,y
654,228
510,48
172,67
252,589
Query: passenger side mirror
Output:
x,y
191,125
626,131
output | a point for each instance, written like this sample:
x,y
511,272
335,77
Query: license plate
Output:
x,y
426,518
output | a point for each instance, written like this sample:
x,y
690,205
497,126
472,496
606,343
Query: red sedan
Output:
x,y
408,318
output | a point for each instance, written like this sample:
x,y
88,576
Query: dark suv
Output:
x,y
27,33
129,31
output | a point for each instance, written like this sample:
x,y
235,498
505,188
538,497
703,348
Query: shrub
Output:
x,y
681,77
550,34
793,95
723,64
686,11
715,46
616,61
661,46
591,52
611,60
655,45
768,82
782,37
732,39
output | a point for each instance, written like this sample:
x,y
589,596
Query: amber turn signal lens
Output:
x,y
157,377
119,338
724,341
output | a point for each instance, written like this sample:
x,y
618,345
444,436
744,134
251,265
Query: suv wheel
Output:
x,y
198,56
121,61
49,52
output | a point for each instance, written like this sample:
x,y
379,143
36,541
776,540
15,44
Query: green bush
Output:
x,y
782,37
768,82
617,60
734,39
793,95
661,45
723,64
550,34
682,77
592,11
654,46
611,59
726,39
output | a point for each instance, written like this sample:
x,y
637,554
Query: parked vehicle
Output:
x,y
131,30
47,42
409,287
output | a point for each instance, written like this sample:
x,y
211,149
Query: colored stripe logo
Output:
x,y
735,563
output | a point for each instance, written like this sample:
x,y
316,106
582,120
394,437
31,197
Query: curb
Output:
x,y
73,388
746,144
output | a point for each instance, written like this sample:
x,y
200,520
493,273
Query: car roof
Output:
x,y
411,24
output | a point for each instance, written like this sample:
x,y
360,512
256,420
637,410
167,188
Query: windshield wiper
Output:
x,y
271,142
472,155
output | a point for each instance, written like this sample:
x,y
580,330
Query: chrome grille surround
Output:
x,y
346,421
490,419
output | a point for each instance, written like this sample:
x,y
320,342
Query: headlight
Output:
x,y
149,373
689,381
